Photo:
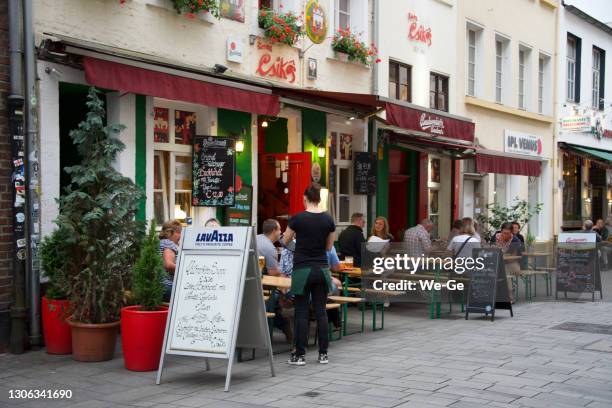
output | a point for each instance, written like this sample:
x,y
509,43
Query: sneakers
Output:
x,y
301,360
296,360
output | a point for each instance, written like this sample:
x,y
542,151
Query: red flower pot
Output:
x,y
55,329
142,337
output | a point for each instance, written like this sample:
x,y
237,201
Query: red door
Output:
x,y
281,196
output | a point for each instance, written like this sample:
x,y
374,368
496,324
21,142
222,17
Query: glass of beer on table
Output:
x,y
262,263
348,262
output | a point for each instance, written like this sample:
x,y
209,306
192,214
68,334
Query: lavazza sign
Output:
x,y
522,143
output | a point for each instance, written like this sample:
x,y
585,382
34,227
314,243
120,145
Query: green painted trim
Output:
x,y
382,193
141,153
413,187
314,130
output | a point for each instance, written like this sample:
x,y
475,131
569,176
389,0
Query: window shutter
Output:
x,y
359,19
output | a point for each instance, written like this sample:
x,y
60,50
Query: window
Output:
x,y
344,14
342,145
533,198
501,181
601,77
400,81
471,77
438,92
521,79
596,78
571,189
573,68
498,70
541,85
344,198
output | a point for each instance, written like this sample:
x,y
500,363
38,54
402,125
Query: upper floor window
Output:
x,y
471,62
438,92
400,81
499,70
573,68
541,84
596,78
352,14
521,79
344,14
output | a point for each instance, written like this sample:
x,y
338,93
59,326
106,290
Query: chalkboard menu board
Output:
x,y
214,171
240,213
577,266
488,289
364,173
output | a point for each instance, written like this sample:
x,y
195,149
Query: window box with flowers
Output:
x,y
206,10
284,28
348,47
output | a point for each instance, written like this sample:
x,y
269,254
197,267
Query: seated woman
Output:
x,y
169,239
380,230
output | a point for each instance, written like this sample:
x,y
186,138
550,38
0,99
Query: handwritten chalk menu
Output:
x,y
487,287
577,266
364,173
240,214
214,171
217,303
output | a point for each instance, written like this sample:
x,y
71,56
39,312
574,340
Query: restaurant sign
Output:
x,y
522,143
576,124
418,32
275,66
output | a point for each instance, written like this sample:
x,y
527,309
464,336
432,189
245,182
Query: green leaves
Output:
x,y
496,215
148,272
100,235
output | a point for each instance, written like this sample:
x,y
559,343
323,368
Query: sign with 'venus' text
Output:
x,y
522,143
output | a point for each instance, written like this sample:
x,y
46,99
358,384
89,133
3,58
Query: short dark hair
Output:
x,y
270,225
506,226
356,216
516,223
458,224
313,193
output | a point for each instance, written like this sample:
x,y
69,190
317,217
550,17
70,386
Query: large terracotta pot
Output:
x,y
55,329
142,337
93,342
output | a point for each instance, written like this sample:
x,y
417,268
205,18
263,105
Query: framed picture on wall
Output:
x,y
312,68
434,170
433,202
346,146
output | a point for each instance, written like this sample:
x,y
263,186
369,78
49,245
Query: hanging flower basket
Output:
x,y
348,47
191,8
284,28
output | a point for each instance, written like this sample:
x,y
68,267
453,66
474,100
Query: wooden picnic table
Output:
x,y
512,258
280,282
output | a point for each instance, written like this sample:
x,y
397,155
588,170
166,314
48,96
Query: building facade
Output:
x,y
505,83
159,60
585,119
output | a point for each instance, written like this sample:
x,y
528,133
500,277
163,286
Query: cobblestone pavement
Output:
x,y
413,362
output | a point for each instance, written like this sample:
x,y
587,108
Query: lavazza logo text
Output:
x,y
214,238
432,123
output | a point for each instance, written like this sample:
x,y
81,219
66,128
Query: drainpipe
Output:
x,y
15,105
375,37
32,179
557,194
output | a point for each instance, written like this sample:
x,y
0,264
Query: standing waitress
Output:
x,y
311,278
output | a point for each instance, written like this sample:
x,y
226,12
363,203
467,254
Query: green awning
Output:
x,y
599,154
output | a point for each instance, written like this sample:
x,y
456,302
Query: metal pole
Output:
x,y
15,104
32,178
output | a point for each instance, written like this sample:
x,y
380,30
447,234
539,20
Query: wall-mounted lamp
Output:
x,y
240,145
264,124
321,151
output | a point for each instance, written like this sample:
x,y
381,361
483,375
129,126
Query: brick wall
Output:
x,y
6,212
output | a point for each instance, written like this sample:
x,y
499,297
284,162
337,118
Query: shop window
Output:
x,y
501,188
571,188
533,198
400,81
173,133
438,92
573,68
344,199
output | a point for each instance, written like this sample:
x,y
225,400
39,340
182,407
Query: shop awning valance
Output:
x,y
598,154
127,78
503,164
431,122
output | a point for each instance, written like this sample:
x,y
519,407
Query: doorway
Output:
x,y
403,191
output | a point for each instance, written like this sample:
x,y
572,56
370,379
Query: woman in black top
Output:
x,y
311,278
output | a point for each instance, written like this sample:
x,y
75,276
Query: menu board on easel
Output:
x,y
214,171
577,266
240,214
364,174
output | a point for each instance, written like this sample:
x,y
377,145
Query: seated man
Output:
x,y
350,240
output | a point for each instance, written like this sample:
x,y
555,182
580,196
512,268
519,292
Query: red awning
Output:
x,y
431,122
487,163
126,78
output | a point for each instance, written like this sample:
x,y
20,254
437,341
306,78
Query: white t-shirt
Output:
x,y
466,251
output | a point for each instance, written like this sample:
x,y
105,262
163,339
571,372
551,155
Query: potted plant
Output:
x,y
202,7
141,353
55,304
284,28
97,212
348,47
